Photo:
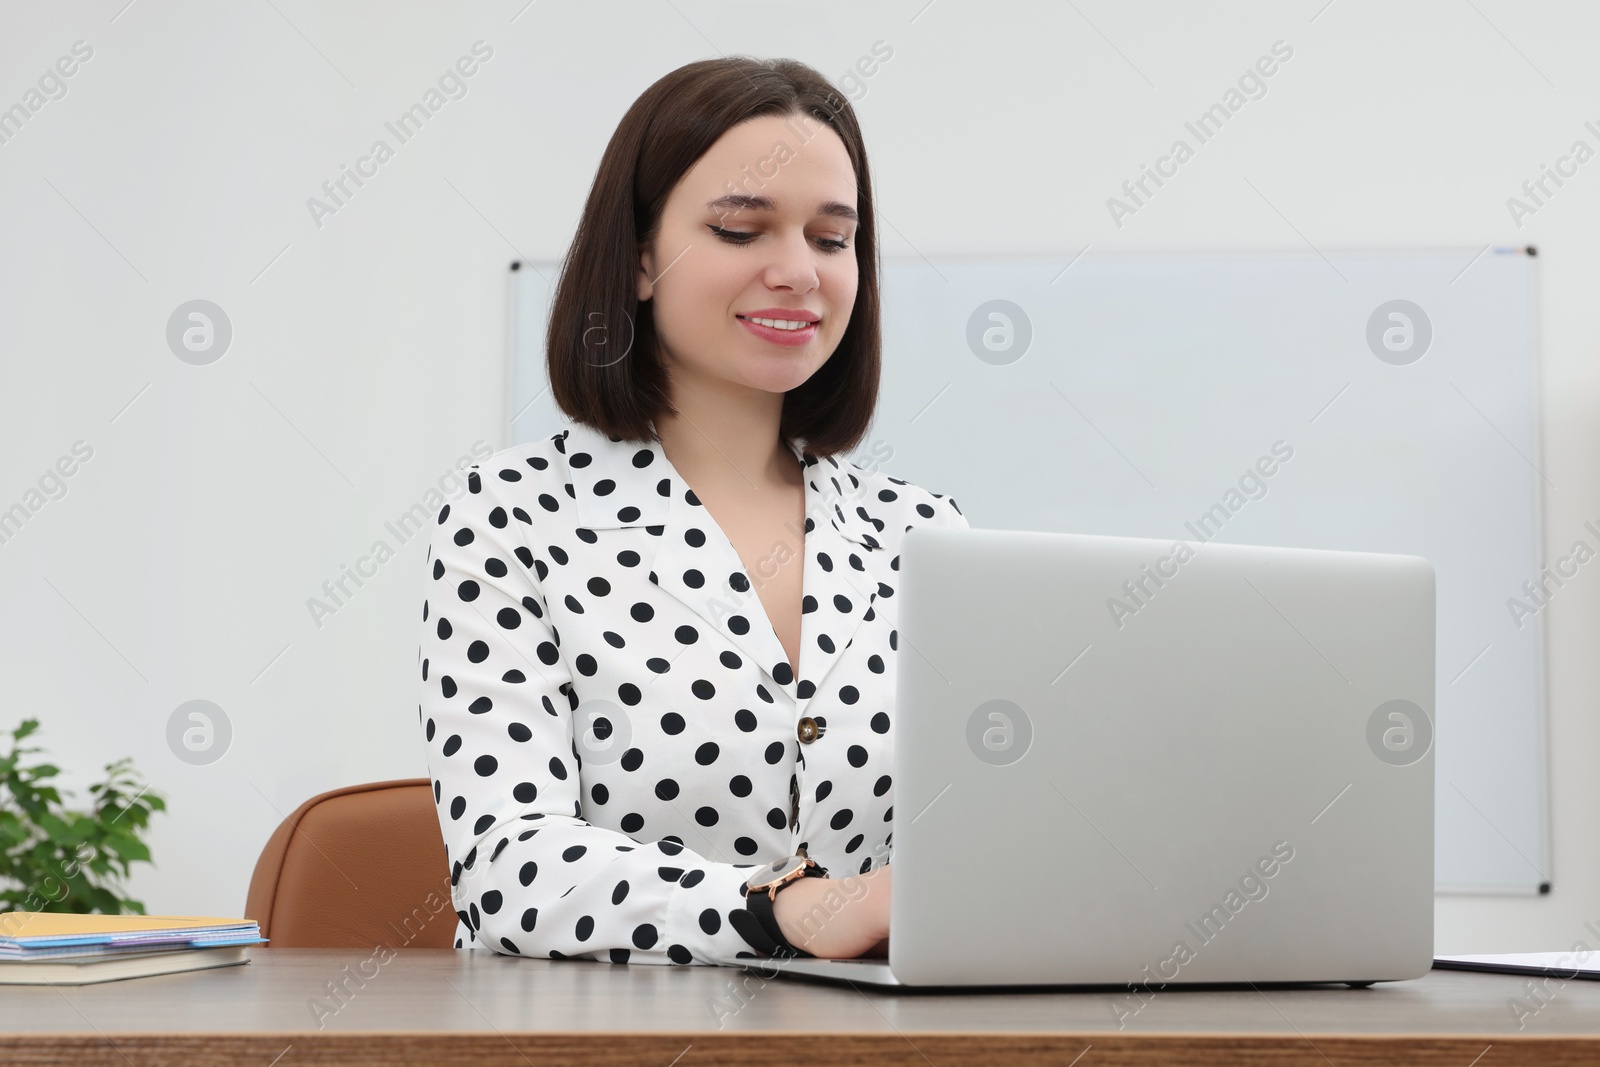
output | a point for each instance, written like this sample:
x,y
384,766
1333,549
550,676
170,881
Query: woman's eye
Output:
x,y
743,237
737,237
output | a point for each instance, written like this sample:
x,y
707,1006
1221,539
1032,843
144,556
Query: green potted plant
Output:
x,y
53,859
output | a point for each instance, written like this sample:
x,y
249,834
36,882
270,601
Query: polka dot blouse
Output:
x,y
614,733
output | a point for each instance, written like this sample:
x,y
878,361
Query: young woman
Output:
x,y
658,651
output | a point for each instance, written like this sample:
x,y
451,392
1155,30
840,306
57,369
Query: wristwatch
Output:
x,y
762,888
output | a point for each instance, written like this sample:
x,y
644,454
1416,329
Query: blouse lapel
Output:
x,y
839,587
625,484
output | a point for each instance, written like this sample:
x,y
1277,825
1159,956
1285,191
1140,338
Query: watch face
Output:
x,y
774,872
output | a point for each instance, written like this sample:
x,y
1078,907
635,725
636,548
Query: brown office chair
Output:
x,y
356,867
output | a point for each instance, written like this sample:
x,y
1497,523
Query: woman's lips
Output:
x,y
786,338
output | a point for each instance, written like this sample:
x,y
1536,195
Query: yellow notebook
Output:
x,y
36,935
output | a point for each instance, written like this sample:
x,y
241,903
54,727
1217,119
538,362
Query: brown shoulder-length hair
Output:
x,y
596,316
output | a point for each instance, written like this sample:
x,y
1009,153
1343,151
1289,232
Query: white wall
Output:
x,y
367,352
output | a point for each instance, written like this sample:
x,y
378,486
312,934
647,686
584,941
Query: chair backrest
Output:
x,y
356,867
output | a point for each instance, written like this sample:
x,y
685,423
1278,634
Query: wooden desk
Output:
x,y
443,1007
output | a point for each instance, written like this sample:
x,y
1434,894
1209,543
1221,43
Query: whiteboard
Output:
x,y
1134,395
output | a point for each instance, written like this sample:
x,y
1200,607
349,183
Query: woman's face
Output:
x,y
790,248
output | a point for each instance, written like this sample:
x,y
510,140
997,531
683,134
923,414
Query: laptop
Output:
x,y
1138,763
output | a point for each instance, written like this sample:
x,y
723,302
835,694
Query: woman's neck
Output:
x,y
720,444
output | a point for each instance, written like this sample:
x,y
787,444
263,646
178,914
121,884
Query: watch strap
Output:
x,y
759,904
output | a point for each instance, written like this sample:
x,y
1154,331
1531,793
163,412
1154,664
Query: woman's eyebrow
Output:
x,y
741,201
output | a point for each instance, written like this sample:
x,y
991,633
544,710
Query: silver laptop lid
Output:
x,y
1128,760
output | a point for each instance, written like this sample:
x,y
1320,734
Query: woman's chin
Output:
x,y
777,379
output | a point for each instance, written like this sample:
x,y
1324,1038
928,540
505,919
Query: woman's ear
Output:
x,y
647,261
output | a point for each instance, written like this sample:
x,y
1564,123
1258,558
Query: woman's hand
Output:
x,y
855,922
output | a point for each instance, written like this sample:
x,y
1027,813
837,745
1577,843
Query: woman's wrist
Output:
x,y
793,905
853,923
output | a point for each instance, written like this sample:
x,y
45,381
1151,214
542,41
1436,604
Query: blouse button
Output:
x,y
809,730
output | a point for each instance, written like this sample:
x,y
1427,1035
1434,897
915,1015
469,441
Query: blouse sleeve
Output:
x,y
528,875
955,519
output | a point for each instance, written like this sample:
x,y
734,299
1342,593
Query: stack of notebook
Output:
x,y
39,948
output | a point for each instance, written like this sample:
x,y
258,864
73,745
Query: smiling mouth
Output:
x,y
791,325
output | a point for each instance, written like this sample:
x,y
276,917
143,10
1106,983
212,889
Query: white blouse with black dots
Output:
x,y
614,733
